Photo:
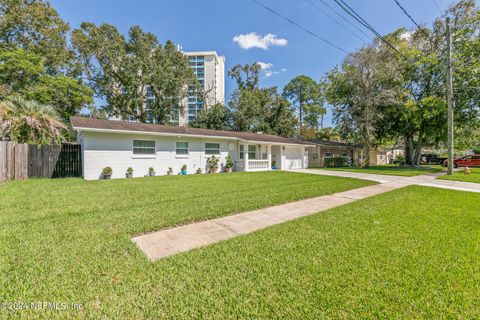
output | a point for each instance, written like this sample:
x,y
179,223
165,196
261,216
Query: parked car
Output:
x,y
432,159
466,161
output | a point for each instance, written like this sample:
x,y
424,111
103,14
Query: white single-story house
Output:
x,y
119,145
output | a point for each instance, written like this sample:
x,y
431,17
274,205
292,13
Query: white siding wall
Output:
x,y
115,150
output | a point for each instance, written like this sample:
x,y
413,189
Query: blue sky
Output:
x,y
213,24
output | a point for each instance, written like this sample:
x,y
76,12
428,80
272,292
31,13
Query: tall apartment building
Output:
x,y
210,71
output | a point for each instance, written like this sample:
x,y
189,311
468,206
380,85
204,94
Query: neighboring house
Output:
x,y
387,155
331,149
119,145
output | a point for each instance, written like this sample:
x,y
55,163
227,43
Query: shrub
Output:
x,y
399,159
335,162
184,167
229,162
213,163
151,169
107,171
130,170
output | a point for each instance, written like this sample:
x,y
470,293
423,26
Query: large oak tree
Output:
x,y
136,76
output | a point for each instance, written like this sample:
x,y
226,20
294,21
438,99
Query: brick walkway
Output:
x,y
172,241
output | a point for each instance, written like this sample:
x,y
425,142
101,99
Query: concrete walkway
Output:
x,y
172,241
428,180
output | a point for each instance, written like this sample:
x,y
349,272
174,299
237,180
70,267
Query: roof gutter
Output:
x,y
277,143
151,133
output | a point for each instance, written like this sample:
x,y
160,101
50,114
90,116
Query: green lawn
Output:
x,y
410,253
70,240
392,170
460,176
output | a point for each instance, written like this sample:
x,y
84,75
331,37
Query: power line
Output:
x,y
345,19
364,23
414,22
438,7
300,27
335,20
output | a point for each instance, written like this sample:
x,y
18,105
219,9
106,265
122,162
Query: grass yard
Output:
x,y
70,241
410,253
460,176
392,170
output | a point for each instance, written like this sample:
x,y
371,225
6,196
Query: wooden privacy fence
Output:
x,y
13,161
21,161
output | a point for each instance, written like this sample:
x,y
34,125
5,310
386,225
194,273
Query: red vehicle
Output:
x,y
466,161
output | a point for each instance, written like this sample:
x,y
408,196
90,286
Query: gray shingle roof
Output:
x,y
334,143
91,123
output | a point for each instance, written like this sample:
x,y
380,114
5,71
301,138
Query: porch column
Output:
x,y
269,157
245,157
305,158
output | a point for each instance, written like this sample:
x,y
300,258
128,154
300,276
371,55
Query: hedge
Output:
x,y
335,162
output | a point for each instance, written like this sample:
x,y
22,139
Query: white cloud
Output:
x,y
254,40
266,67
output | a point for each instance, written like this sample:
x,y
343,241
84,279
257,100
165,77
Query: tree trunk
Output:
x,y
413,149
409,150
366,162
300,109
418,148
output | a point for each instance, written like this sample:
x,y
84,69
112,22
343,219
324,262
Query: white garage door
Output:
x,y
293,158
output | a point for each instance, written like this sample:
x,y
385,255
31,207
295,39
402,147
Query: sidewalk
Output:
x,y
428,180
172,241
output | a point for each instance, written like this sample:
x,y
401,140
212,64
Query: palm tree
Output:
x,y
28,121
6,118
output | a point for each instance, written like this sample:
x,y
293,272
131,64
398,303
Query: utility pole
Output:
x,y
450,101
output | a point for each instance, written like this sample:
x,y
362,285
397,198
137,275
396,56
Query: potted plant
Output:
x,y
274,165
228,164
129,173
107,173
199,171
213,164
151,172
170,171
184,170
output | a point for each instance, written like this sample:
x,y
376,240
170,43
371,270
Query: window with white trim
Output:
x,y
252,151
242,150
361,154
143,147
328,155
212,148
181,148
